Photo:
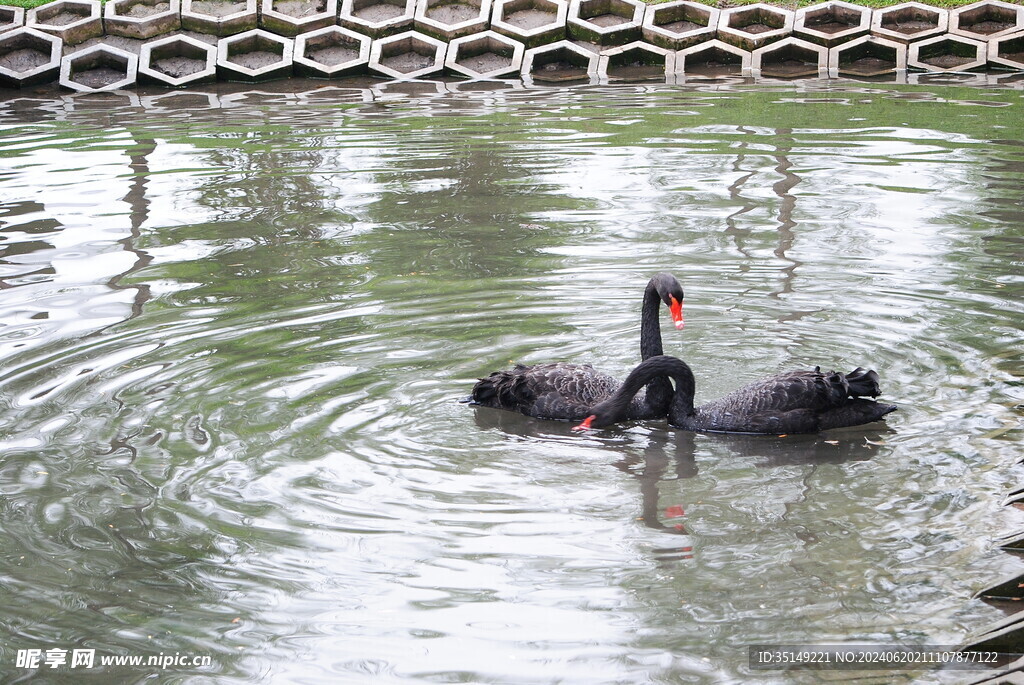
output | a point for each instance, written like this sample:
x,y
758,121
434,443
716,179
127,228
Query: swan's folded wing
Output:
x,y
555,390
785,392
567,391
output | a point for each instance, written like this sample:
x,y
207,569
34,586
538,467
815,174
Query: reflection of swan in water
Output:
x,y
661,454
670,456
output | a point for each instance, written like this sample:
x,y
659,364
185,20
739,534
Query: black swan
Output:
x,y
791,402
567,391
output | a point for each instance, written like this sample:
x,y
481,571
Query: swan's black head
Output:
x,y
671,293
599,419
607,413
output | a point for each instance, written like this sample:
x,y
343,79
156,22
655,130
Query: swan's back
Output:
x,y
794,402
551,391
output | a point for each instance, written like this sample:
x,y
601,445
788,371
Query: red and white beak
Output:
x,y
676,309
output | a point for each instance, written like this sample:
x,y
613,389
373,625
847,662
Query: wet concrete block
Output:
x,y
175,101
1014,677
485,55
73,21
637,61
11,18
559,62
219,17
255,55
28,57
377,18
867,56
680,24
178,61
831,23
790,58
1011,589
141,18
947,53
713,59
332,51
531,22
909,21
754,26
605,22
292,17
986,20
407,55
98,68
451,19
1005,635
1014,542
1007,51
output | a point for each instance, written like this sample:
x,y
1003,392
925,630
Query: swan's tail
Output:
x,y
854,413
862,383
502,389
485,391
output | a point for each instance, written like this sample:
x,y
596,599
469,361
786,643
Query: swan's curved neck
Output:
x,y
650,327
657,366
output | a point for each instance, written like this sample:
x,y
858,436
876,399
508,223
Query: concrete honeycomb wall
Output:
x,y
180,42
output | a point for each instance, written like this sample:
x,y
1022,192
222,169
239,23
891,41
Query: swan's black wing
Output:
x,y
795,402
550,391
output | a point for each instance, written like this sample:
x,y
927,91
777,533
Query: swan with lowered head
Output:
x,y
791,402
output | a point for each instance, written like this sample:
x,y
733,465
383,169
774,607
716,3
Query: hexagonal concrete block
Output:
x,y
754,26
986,20
713,59
485,55
831,23
377,18
292,17
559,62
605,22
73,21
1007,51
637,61
28,57
909,21
219,17
790,58
680,24
531,22
331,51
407,55
947,53
867,56
255,55
11,18
141,18
98,68
177,61
450,19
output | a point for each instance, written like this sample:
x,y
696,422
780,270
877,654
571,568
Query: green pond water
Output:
x,y
234,327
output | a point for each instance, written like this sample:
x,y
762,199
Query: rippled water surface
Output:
x,y
235,327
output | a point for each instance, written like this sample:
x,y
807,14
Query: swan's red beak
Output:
x,y
676,309
585,425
